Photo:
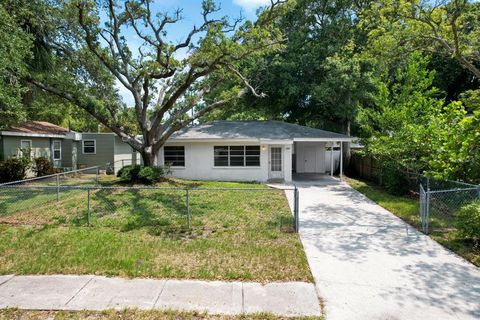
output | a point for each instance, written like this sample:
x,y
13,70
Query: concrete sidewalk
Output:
x,y
87,292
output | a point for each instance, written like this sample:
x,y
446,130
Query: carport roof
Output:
x,y
256,130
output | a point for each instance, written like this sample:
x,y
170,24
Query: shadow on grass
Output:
x,y
163,212
160,212
13,200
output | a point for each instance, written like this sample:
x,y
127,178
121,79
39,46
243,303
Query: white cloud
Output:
x,y
251,5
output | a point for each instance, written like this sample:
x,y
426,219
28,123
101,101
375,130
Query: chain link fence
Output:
x,y
163,210
82,177
440,200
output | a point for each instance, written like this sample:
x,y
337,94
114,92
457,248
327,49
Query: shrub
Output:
x,y
43,167
468,221
14,169
129,173
394,181
151,174
138,173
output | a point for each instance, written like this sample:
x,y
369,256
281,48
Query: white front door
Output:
x,y
310,159
275,163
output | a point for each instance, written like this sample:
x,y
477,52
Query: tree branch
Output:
x,y
203,111
88,106
246,82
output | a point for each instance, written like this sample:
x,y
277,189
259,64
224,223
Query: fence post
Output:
x,y
188,207
295,209
88,207
427,208
423,207
97,175
421,204
58,187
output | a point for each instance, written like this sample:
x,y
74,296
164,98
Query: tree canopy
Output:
x,y
387,71
87,56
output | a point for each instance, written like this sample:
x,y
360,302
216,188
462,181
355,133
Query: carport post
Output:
x,y
331,159
341,160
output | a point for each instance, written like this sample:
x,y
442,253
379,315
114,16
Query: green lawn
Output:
x,y
8,314
407,208
233,235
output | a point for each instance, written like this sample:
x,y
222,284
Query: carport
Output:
x,y
319,155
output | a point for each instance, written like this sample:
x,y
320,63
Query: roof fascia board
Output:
x,y
36,135
323,139
177,140
272,141
111,133
226,140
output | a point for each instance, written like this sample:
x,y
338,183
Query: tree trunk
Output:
x,y
150,158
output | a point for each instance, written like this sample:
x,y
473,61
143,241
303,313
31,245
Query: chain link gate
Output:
x,y
441,199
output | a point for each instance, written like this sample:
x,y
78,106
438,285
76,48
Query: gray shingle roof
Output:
x,y
268,130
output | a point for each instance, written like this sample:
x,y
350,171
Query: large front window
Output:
x,y
174,156
236,156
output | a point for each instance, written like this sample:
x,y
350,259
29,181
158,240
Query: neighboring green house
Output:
x,y
65,149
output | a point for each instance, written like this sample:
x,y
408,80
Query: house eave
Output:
x,y
261,140
34,135
231,140
323,139
176,140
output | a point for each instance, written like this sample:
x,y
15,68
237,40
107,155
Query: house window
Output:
x,y
57,150
26,148
252,156
174,156
89,147
236,156
220,156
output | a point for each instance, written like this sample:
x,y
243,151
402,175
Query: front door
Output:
x,y
275,165
310,159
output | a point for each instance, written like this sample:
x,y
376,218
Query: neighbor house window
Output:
x,y
26,148
236,156
89,147
57,150
174,156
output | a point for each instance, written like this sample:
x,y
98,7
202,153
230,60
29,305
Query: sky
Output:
x,y
191,16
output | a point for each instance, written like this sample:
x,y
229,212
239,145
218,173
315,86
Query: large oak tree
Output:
x,y
168,81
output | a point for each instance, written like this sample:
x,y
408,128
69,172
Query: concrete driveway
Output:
x,y
369,264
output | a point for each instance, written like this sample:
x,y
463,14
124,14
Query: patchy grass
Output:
x,y
132,315
233,235
407,208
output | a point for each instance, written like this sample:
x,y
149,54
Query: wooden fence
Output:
x,y
365,167
368,168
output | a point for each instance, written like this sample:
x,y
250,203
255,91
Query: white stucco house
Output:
x,y
252,151
220,150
